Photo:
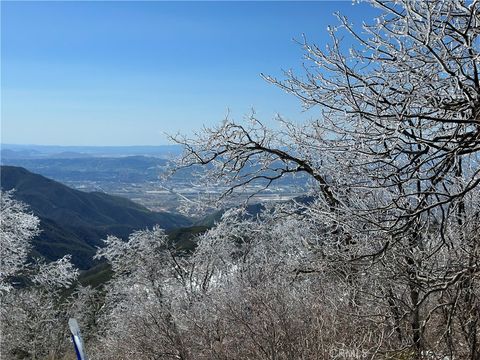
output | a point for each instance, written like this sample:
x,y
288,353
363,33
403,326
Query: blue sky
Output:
x,y
125,73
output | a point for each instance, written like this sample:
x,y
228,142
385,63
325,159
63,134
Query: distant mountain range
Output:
x,y
75,222
52,151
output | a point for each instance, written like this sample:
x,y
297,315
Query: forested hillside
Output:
x,y
75,222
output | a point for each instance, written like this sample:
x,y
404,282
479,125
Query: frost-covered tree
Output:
x,y
34,317
138,320
398,124
17,228
161,303
248,291
33,314
394,162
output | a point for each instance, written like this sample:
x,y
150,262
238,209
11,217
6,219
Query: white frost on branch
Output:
x,y
17,228
56,274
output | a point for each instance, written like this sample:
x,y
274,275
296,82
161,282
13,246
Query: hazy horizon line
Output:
x,y
104,146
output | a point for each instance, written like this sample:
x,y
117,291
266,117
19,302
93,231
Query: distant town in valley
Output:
x,y
138,173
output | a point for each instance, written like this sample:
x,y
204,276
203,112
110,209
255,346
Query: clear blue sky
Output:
x,y
123,73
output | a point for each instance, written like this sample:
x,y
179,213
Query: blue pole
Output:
x,y
77,339
79,356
